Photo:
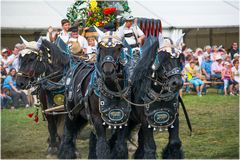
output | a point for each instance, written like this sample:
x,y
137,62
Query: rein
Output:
x,y
186,115
50,76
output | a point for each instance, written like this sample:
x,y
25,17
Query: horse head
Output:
x,y
38,58
30,64
110,51
172,61
160,67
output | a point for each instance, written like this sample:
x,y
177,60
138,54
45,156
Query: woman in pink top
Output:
x,y
227,78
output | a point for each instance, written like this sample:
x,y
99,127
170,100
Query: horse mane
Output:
x,y
143,68
57,56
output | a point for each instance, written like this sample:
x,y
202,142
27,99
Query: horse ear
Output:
x,y
179,40
23,40
160,40
39,42
100,33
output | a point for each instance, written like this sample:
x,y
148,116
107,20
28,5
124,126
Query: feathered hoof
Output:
x,y
67,153
52,150
173,152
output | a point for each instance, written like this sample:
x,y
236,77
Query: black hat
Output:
x,y
110,26
73,29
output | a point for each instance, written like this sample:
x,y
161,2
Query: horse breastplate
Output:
x,y
161,115
114,112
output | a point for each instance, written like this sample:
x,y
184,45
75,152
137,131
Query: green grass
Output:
x,y
214,118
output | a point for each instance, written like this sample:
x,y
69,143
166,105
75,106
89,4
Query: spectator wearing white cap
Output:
x,y
216,68
188,52
207,49
4,60
206,66
227,78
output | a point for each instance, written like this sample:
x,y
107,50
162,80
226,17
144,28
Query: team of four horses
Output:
x,y
107,96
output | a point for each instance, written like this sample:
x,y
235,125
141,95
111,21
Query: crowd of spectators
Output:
x,y
9,67
212,64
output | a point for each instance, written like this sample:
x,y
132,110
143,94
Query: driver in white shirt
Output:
x,y
134,36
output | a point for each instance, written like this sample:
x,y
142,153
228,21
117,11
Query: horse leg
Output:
x,y
52,140
139,153
68,148
120,150
102,147
173,149
92,146
149,143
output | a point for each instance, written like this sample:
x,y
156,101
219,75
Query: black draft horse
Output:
x,y
94,94
46,61
156,83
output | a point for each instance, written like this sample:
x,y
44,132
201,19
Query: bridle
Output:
x,y
111,41
32,74
29,75
166,76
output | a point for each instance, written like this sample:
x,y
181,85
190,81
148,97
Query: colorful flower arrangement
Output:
x,y
96,13
99,16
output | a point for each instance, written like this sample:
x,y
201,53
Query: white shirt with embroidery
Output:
x,y
124,30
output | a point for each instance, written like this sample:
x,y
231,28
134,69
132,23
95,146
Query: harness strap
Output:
x,y
140,104
186,115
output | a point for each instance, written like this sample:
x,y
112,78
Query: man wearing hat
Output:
x,y
206,65
134,36
78,44
217,67
131,32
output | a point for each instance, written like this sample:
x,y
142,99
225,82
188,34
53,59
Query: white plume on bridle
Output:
x,y
173,42
31,46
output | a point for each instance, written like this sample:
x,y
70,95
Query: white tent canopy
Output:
x,y
27,14
189,14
